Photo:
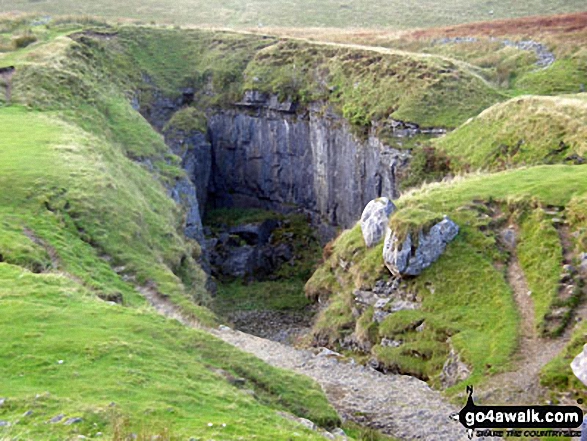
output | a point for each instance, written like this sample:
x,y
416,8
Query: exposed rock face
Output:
x,y
265,155
403,259
579,366
184,194
454,370
374,220
196,155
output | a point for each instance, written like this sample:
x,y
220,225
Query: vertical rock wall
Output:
x,y
267,155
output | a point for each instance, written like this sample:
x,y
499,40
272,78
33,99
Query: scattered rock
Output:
x,y
386,287
2,401
71,421
380,315
508,236
381,303
454,370
248,250
4,423
281,326
57,418
255,234
325,352
374,220
28,413
403,305
305,422
368,298
391,343
410,260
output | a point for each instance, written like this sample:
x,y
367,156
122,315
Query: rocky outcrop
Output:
x,y
184,194
410,259
248,251
196,159
374,220
544,57
453,370
270,154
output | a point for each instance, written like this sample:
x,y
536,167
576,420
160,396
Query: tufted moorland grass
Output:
x,y
523,131
301,13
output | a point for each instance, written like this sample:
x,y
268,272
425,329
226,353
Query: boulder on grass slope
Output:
x,y
410,258
374,220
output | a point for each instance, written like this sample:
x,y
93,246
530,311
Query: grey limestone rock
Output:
x,y
267,156
454,370
408,259
374,220
579,366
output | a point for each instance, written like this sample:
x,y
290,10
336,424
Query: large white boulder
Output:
x,y
374,220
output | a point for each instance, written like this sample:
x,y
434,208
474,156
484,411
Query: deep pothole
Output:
x,y
261,261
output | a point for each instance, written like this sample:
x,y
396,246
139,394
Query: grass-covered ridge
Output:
x,y
371,85
362,85
522,131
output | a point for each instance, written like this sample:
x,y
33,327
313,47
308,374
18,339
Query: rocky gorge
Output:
x,y
277,156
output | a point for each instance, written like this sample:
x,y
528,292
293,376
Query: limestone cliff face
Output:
x,y
196,159
267,154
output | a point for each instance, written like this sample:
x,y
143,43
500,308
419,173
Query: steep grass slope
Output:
x,y
85,218
465,295
523,131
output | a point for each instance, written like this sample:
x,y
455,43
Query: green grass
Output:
x,y
370,86
540,254
77,201
160,375
465,294
566,75
302,13
412,221
279,295
60,175
557,374
523,131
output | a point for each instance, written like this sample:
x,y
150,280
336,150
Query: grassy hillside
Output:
x,y
85,221
302,13
465,295
522,131
125,370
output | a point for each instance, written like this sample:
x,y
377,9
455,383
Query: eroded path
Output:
x,y
399,405
521,384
